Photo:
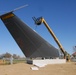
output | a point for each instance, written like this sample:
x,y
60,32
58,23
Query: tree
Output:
x,y
16,56
7,55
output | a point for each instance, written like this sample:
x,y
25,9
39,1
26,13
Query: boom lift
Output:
x,y
40,20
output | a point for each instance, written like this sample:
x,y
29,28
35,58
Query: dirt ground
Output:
x,y
25,69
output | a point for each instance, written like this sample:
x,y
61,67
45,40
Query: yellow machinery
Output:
x,y
40,20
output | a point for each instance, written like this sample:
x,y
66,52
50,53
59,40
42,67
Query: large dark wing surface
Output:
x,y
31,44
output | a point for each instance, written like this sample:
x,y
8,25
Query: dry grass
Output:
x,y
24,69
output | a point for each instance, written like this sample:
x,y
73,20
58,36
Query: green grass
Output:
x,y
7,62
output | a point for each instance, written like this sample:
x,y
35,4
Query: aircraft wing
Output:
x,y
31,44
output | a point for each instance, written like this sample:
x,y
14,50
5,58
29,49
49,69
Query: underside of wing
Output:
x,y
31,44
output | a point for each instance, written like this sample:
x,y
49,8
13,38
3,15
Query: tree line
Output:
x,y
8,55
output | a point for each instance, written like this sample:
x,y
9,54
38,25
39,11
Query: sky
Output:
x,y
59,14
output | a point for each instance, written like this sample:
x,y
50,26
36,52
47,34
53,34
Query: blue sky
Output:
x,y
59,14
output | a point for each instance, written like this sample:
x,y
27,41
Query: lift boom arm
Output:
x,y
40,20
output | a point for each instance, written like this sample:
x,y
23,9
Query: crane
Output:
x,y
40,20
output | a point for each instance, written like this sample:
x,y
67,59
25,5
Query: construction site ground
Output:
x,y
25,69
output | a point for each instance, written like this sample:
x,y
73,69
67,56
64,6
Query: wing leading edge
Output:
x,y
31,44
